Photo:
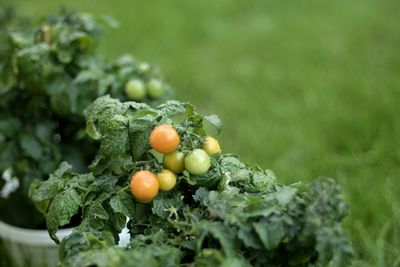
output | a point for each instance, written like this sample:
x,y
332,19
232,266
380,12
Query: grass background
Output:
x,y
306,88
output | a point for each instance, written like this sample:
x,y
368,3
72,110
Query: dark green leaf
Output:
x,y
270,233
31,146
139,134
215,121
123,203
61,210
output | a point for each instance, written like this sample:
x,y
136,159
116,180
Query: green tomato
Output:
x,y
174,161
197,162
135,89
155,88
144,67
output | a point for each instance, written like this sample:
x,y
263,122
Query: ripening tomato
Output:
x,y
155,88
166,179
144,186
135,89
211,146
164,139
197,162
174,161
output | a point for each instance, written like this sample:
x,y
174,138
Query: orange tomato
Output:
x,y
144,185
164,139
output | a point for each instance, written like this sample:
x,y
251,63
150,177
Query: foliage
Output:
x,y
233,215
319,82
48,75
6,16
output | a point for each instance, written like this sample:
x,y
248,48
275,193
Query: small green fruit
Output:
x,y
135,89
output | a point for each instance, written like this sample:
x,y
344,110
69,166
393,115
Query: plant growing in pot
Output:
x,y
49,74
188,204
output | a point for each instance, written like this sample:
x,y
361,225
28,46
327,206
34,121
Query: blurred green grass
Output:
x,y
306,88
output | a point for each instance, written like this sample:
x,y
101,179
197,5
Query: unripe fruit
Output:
x,y
175,161
197,162
135,89
166,180
144,67
211,146
155,88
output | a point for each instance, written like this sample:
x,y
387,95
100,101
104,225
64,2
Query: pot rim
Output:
x,y
30,236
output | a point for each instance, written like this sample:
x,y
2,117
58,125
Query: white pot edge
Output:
x,y
30,236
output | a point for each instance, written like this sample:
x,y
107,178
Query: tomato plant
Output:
x,y
222,212
55,69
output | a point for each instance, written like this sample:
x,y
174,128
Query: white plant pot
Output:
x,y
30,248
35,248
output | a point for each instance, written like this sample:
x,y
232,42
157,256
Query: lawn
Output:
x,y
306,88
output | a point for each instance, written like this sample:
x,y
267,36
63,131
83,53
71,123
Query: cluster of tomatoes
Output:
x,y
136,89
164,139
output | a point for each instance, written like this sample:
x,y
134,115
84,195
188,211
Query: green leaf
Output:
x,y
215,121
92,130
249,238
73,244
115,137
61,209
172,108
31,146
330,238
263,180
42,192
89,75
235,262
9,126
105,183
123,203
96,257
270,233
44,132
64,97
285,195
139,134
200,195
94,215
167,204
148,256
63,170
223,234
